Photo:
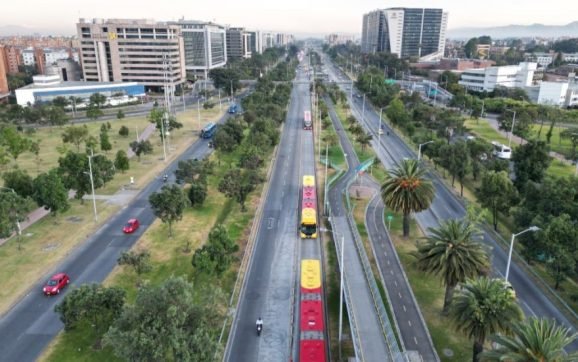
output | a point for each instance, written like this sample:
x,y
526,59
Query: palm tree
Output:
x,y
406,190
451,253
364,139
539,340
483,307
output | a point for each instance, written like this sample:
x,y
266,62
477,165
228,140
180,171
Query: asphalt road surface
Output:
x,y
272,275
447,205
32,323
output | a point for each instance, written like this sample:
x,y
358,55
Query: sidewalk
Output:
x,y
518,140
41,212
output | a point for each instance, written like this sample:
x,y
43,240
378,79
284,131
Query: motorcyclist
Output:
x,y
165,177
259,323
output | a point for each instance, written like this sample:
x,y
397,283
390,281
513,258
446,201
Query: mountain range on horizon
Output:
x,y
516,31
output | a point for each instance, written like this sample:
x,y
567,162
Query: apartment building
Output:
x,y
13,59
3,73
256,42
335,38
132,50
238,43
205,46
510,76
406,32
269,40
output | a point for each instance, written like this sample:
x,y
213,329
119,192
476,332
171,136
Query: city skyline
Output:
x,y
299,16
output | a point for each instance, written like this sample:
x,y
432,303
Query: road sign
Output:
x,y
389,218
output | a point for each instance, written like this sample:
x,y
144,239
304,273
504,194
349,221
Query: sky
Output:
x,y
295,16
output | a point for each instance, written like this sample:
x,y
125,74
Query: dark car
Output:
x,y
131,226
55,284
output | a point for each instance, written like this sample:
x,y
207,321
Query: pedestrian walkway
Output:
x,y
120,197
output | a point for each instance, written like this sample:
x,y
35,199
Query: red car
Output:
x,y
55,284
131,226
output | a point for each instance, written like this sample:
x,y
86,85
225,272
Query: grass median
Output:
x,y
51,239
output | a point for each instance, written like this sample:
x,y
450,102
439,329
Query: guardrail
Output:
x,y
393,344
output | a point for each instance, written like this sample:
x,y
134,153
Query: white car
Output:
x,y
380,131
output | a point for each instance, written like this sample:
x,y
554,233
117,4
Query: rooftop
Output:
x,y
74,84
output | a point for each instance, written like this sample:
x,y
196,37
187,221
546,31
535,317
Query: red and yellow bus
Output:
x,y
308,224
312,346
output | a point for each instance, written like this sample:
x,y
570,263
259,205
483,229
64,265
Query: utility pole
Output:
x,y
92,184
325,191
199,113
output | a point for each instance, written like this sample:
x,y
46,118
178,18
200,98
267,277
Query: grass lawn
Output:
x,y
169,257
430,296
52,239
483,130
557,144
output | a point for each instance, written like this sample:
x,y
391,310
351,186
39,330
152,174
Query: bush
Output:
x,y
123,131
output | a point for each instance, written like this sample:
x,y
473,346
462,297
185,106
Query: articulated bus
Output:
x,y
307,120
308,224
312,343
209,130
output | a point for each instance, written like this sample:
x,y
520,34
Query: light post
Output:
x,y
363,111
92,183
512,130
419,149
380,131
342,267
17,222
531,228
325,190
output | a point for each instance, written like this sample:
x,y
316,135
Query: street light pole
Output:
x,y
92,184
531,228
419,149
363,111
325,191
342,267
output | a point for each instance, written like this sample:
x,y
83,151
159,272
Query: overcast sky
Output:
x,y
298,16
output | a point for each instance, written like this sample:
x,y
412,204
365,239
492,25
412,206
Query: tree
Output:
x,y
75,135
226,79
533,340
121,161
35,149
450,252
190,170
141,147
217,254
97,99
49,192
93,112
13,210
198,192
461,168
166,322
483,307
14,143
91,144
250,157
396,113
105,144
91,304
471,48
330,138
572,135
561,246
55,116
364,140
73,170
406,190
20,181
237,184
497,193
228,136
169,205
140,261
102,170
119,114
123,131
479,151
163,121
530,163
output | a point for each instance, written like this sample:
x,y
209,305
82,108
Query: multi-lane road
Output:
x,y
446,205
32,323
272,279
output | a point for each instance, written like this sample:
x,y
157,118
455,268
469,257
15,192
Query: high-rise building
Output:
x,y
205,46
132,50
3,73
256,42
13,59
334,39
269,40
238,43
406,32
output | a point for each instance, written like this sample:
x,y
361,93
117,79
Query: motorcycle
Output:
x,y
165,178
259,329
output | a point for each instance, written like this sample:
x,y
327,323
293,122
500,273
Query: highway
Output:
x,y
32,323
273,273
367,330
447,205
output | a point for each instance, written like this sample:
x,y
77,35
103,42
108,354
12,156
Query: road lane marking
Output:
x,y
270,223
395,282
385,252
409,322
405,310
387,262
415,340
398,293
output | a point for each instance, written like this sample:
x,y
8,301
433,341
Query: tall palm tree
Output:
x,y
451,253
406,190
364,139
483,307
534,340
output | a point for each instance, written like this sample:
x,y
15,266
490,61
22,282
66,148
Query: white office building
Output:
x,y
28,57
560,94
205,46
52,55
509,76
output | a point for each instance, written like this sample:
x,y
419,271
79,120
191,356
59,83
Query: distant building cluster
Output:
x,y
406,32
335,39
146,52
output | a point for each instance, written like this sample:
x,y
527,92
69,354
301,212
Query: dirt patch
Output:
x,y
361,192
